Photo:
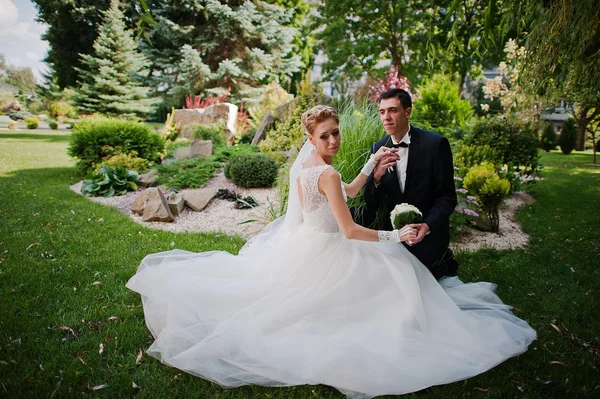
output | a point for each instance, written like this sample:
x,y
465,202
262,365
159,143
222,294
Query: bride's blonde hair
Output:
x,y
317,114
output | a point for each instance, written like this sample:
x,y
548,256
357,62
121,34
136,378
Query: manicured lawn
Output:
x,y
64,261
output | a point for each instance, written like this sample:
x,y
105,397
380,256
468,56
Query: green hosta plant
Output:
x,y
110,181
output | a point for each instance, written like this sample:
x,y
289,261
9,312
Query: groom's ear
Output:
x,y
408,112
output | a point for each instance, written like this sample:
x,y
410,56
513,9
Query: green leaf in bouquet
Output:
x,y
402,219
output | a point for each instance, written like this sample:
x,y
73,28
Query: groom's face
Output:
x,y
393,116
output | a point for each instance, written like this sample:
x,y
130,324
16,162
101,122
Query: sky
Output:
x,y
20,36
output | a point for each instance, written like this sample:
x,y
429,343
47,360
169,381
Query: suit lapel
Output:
x,y
413,157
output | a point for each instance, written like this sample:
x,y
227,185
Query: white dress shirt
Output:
x,y
402,163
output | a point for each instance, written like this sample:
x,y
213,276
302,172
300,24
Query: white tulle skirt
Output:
x,y
365,318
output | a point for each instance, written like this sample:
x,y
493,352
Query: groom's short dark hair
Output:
x,y
400,94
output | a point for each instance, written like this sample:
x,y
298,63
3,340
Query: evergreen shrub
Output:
x,y
548,141
256,170
31,122
96,138
516,144
568,136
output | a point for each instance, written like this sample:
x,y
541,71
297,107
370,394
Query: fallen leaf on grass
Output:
x,y
81,360
101,349
139,357
98,387
556,328
482,389
96,283
134,385
557,362
31,245
112,318
65,328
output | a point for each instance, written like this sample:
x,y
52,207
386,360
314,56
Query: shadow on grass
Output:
x,y
49,138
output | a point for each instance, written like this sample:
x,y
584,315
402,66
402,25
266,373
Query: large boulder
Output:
x,y
218,113
197,200
156,208
201,148
280,113
197,148
138,205
14,106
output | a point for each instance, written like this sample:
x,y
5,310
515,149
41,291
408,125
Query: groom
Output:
x,y
423,176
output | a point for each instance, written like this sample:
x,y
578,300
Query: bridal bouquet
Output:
x,y
404,214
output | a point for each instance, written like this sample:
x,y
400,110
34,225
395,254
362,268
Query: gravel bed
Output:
x,y
218,216
510,235
221,216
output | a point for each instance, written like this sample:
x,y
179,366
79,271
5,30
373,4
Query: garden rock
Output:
x,y
201,148
198,148
156,208
213,114
138,205
176,203
14,106
261,132
197,200
148,179
267,123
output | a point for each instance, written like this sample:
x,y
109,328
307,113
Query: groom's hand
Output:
x,y
422,231
387,161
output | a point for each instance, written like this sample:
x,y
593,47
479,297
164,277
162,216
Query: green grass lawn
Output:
x,y
64,261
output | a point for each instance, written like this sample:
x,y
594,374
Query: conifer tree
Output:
x,y
112,74
209,45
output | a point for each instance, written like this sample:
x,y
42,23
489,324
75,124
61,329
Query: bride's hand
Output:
x,y
383,151
408,232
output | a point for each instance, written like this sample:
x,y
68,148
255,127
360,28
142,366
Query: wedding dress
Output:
x,y
305,305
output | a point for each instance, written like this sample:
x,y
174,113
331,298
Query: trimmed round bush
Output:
x,y
95,139
31,122
568,136
254,170
490,190
53,125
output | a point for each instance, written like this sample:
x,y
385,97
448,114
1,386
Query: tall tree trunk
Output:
x,y
594,145
582,123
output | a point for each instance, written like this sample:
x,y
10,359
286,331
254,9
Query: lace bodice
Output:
x,y
316,211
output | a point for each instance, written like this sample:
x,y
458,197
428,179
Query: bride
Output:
x,y
317,299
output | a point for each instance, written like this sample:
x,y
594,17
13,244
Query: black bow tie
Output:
x,y
401,144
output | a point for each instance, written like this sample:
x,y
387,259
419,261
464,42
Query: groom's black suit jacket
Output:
x,y
429,186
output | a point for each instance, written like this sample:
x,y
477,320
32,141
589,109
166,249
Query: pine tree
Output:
x,y
209,45
111,77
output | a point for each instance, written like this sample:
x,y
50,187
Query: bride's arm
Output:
x,y
352,189
330,184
